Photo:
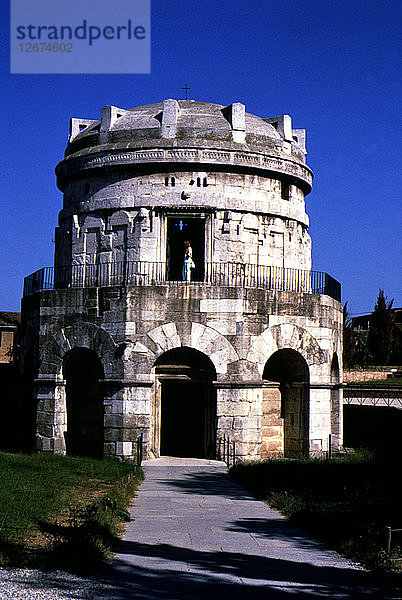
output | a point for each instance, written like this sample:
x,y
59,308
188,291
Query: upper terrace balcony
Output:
x,y
142,273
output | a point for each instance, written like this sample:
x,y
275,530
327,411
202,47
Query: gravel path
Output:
x,y
33,584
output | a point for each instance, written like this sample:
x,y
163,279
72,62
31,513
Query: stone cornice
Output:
x,y
254,160
126,383
237,384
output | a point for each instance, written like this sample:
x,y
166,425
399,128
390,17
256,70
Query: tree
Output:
x,y
381,329
350,338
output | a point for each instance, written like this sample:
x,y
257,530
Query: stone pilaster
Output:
x,y
272,422
320,419
51,417
336,416
239,416
128,414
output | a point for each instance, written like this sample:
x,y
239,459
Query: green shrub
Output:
x,y
346,502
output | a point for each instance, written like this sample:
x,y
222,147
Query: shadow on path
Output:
x,y
190,574
276,529
239,569
207,484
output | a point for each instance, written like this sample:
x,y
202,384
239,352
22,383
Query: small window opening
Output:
x,y
192,182
205,182
166,181
296,139
173,181
285,190
82,126
198,181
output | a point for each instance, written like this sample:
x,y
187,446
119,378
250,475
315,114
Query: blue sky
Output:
x,y
334,66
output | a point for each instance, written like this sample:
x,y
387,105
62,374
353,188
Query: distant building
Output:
x,y
16,416
118,345
9,333
361,326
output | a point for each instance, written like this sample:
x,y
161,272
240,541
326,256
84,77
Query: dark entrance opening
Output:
x,y
336,408
179,230
82,371
188,404
290,369
374,427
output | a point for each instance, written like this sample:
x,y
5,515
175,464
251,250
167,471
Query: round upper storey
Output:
x,y
185,131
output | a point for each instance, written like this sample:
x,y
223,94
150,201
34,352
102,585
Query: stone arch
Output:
x,y
199,337
286,404
81,335
92,222
286,335
119,217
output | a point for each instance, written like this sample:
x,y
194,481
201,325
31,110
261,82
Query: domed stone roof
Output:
x,y
197,124
185,132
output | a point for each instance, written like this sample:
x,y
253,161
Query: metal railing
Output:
x,y
376,395
226,451
143,273
140,449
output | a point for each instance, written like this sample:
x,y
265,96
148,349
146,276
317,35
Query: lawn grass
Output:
x,y
52,507
345,502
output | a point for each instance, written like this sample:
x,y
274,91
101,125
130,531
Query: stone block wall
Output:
x,y
272,422
252,223
237,329
360,374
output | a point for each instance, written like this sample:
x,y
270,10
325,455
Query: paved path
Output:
x,y
196,534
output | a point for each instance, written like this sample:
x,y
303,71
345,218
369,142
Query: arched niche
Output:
x,y
288,401
185,404
82,371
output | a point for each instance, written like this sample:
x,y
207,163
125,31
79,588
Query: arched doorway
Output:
x,y
290,370
180,229
187,403
82,370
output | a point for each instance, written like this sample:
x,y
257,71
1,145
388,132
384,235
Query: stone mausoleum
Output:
x,y
117,345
